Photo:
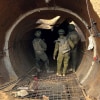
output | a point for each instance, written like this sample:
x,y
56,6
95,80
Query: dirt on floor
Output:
x,y
6,96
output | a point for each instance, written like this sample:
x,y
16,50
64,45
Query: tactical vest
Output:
x,y
37,45
63,45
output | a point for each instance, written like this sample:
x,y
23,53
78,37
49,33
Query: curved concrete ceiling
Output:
x,y
18,21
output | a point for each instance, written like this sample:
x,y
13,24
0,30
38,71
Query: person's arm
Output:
x,y
43,45
71,44
55,50
33,42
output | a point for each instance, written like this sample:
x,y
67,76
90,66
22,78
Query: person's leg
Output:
x,y
46,63
74,58
66,61
38,62
45,59
59,63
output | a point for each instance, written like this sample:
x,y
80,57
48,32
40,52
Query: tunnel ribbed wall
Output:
x,y
16,57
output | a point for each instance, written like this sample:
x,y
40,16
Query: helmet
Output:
x,y
38,33
61,31
71,27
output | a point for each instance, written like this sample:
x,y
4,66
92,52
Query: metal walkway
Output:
x,y
54,87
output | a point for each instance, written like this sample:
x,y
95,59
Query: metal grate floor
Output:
x,y
55,87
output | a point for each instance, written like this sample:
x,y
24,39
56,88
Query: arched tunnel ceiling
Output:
x,y
29,23
12,10
17,8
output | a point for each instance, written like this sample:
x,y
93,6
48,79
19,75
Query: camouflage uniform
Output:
x,y
62,47
39,48
74,37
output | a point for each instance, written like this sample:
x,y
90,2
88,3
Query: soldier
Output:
x,y
74,37
62,46
39,48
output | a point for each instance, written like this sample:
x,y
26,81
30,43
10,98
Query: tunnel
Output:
x,y
18,22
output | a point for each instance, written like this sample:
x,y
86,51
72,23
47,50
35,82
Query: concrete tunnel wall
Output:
x,y
18,18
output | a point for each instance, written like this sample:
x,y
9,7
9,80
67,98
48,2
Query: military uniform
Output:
x,y
74,37
39,48
62,47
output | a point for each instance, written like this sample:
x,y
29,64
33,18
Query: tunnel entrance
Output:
x,y
22,53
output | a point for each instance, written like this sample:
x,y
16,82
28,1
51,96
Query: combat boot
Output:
x,y
58,74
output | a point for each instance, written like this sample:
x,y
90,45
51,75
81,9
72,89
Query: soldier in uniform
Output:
x,y
62,46
74,37
39,48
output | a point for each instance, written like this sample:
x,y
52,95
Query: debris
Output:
x,y
87,97
48,21
33,84
91,44
22,88
95,58
50,71
48,87
45,97
21,93
9,87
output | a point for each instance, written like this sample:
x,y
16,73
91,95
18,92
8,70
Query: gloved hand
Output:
x,y
54,57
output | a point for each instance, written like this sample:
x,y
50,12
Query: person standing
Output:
x,y
74,37
39,48
63,46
